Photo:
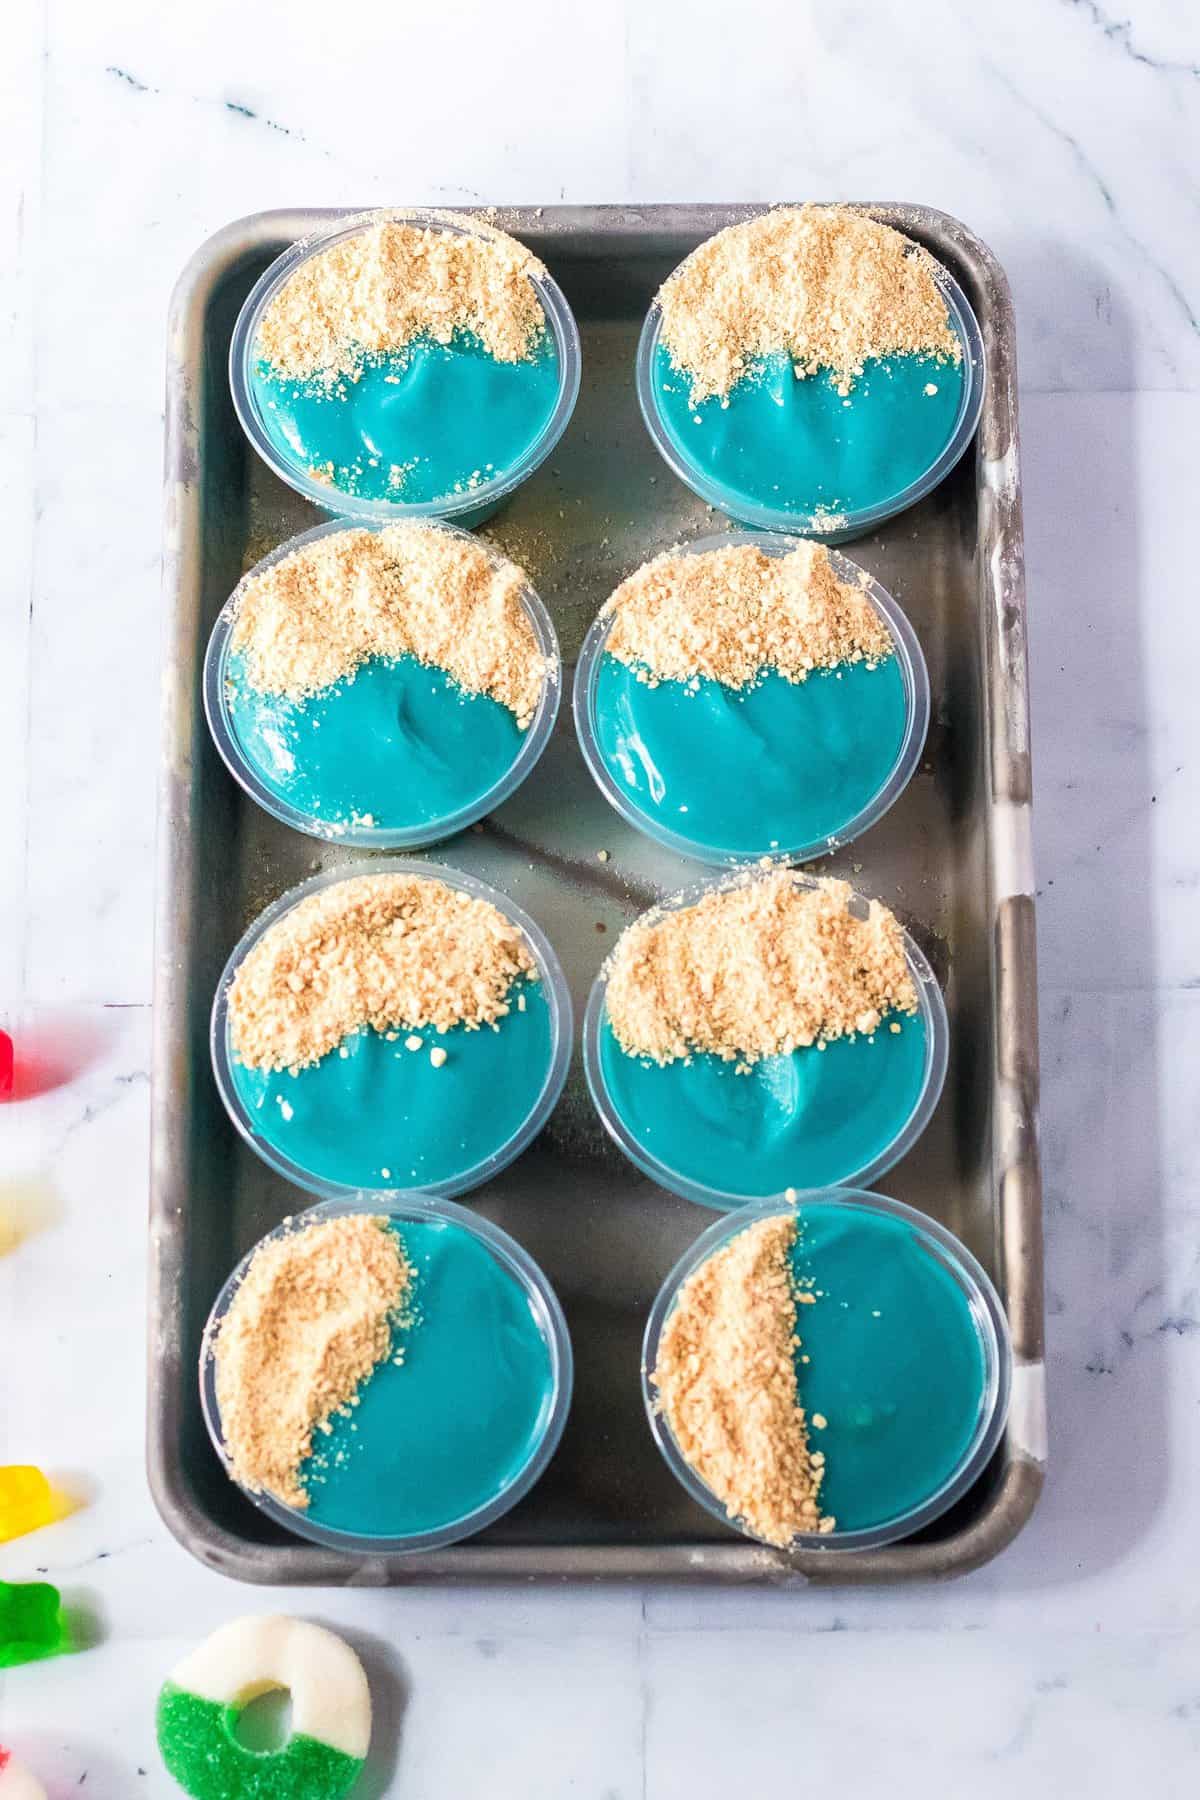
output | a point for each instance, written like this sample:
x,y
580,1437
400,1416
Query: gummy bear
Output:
x,y
27,1501
31,1623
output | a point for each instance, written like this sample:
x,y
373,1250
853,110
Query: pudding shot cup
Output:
x,y
695,764
436,426
728,1135
408,1108
451,1429
807,484
395,754
903,1368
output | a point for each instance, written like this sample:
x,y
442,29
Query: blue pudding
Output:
x,y
892,1361
814,1118
776,765
384,684
405,361
374,1113
393,1030
417,425
398,744
798,445
750,695
451,1425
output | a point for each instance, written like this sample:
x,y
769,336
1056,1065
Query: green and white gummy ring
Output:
x,y
202,1699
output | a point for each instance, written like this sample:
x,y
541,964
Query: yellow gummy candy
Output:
x,y
27,1501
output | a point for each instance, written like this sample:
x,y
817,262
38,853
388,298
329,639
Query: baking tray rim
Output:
x,y
1016,1173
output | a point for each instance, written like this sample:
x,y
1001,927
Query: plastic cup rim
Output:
x,y
377,837
937,1050
839,526
487,496
987,1312
516,1261
913,670
550,973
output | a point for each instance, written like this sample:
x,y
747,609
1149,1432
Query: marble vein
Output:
x,y
1120,33
1097,181
237,108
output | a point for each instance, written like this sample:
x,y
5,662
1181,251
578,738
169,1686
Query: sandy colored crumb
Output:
x,y
538,553
728,615
312,1318
726,1383
316,616
390,283
821,284
395,952
760,967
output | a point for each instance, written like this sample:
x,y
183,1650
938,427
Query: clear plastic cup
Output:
x,y
544,1307
470,507
375,837
986,1312
830,528
558,999
916,689
937,1051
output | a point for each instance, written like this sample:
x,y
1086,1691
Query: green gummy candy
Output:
x,y
31,1623
198,1745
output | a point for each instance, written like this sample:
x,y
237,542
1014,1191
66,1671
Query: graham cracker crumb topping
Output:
x,y
823,285
394,952
728,615
380,288
314,617
311,1319
726,1383
759,967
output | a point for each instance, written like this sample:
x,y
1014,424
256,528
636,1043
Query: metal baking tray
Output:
x,y
952,857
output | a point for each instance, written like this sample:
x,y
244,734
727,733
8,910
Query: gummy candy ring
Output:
x,y
16,1783
203,1698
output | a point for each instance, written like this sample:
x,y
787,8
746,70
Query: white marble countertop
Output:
x,y
1068,137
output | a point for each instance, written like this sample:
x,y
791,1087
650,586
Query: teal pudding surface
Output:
x,y
449,1427
778,765
895,1363
397,741
374,1114
810,1119
799,446
419,424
